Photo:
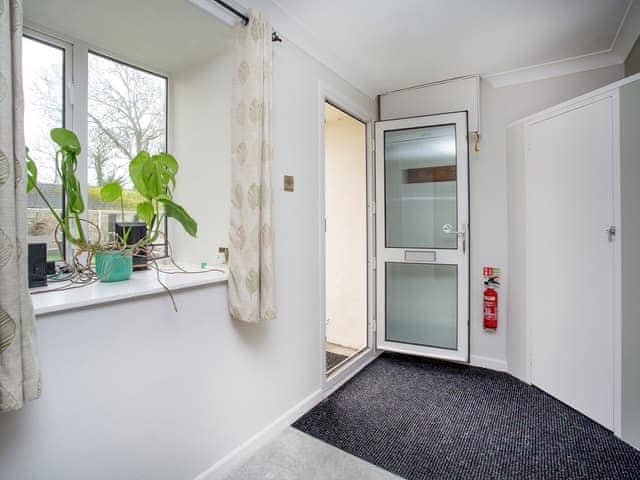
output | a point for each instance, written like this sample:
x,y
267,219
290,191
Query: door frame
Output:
x,y
560,109
463,206
348,104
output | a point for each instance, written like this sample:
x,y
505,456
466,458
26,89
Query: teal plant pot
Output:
x,y
114,265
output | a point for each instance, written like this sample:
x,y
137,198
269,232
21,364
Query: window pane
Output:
x,y
127,114
43,77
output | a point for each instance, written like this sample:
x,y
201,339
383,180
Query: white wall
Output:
x,y
134,390
516,303
630,239
488,187
201,102
346,238
455,95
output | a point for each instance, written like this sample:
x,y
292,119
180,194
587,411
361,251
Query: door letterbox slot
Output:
x,y
419,256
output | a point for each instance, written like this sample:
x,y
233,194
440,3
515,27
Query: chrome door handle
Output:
x,y
462,233
447,228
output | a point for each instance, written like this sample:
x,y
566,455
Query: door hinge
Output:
x,y
611,231
374,263
373,208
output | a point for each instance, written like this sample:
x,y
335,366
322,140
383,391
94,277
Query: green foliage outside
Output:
x,y
130,198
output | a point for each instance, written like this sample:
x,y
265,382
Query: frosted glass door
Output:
x,y
422,236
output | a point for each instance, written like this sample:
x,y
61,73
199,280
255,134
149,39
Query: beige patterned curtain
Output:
x,y
251,277
19,371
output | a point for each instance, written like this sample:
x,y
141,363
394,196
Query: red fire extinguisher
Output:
x,y
490,304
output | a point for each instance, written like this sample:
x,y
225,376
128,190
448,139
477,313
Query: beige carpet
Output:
x,y
294,455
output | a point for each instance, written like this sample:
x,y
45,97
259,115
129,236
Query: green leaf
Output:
x,y
74,195
173,210
32,173
152,179
145,212
167,162
110,192
66,140
168,168
135,172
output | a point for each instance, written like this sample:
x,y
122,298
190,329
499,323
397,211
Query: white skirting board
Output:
x,y
490,363
241,453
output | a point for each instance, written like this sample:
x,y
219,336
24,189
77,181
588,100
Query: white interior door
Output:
x,y
422,258
570,256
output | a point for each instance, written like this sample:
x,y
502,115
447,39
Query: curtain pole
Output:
x,y
245,19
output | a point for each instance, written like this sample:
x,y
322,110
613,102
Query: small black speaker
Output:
x,y
37,260
137,231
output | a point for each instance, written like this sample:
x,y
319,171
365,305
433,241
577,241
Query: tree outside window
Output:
x,y
126,114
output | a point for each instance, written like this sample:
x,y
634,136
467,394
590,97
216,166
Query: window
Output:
x,y
43,66
125,111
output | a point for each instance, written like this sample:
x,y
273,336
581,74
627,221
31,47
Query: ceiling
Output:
x,y
165,35
396,44
380,46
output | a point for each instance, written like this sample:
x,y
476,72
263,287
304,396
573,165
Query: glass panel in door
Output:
x,y
420,186
422,304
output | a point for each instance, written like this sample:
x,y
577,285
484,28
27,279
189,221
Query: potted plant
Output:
x,y
69,221
153,177
114,260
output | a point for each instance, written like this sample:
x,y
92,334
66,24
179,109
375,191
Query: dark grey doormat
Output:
x,y
424,419
334,359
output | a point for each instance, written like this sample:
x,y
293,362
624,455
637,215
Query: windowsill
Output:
x,y
141,284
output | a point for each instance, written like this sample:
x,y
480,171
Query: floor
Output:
x,y
424,419
294,455
336,354
334,359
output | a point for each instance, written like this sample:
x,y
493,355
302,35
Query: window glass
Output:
x,y
127,114
43,83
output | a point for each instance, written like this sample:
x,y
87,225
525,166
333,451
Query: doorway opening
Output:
x,y
345,237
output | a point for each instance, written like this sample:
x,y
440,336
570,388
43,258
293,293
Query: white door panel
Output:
x,y
570,258
422,236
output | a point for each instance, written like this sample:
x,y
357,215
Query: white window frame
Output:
x,y
76,86
67,94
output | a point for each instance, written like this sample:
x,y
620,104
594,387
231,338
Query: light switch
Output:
x,y
288,183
